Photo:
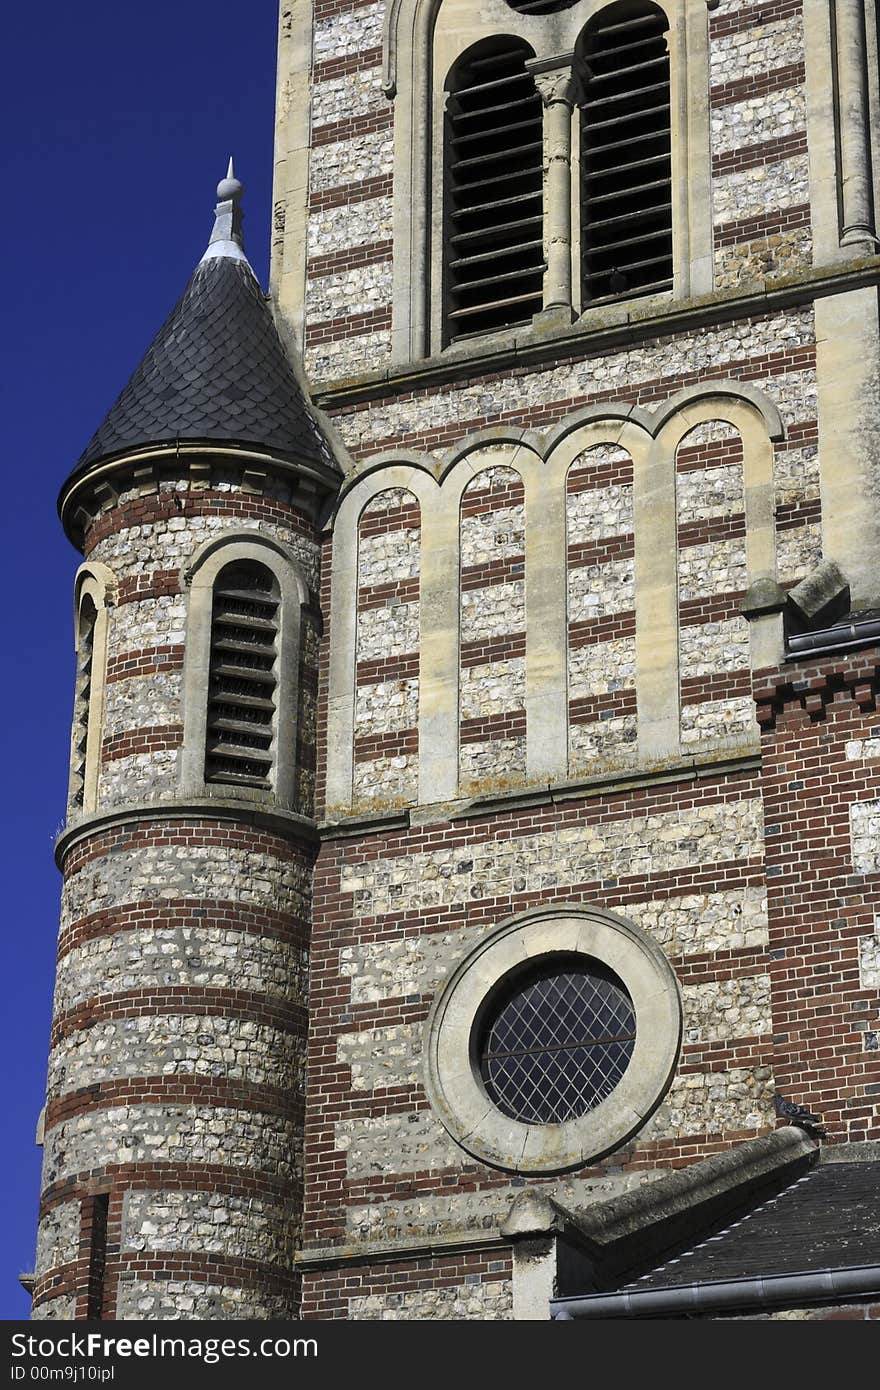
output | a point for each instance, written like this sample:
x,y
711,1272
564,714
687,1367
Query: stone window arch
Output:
x,y
257,578
424,41
94,592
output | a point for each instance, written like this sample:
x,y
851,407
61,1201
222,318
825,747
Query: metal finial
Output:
x,y
229,188
226,238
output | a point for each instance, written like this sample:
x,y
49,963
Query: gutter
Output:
x,y
843,637
774,1290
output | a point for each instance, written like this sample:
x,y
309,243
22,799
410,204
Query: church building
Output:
x,y
472,861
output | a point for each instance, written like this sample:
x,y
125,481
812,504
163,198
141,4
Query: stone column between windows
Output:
x,y
553,79
852,96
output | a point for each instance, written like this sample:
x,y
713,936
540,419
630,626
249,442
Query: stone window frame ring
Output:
x,y
452,1072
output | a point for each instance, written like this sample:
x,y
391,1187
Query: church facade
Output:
x,y
472,864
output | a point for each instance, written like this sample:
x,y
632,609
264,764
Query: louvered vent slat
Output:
x,y
626,163
494,164
239,747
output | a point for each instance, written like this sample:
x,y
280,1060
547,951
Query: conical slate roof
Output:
x,y
216,370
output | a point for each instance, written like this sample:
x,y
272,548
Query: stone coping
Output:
x,y
275,818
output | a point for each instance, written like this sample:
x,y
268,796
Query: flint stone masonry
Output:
x,y
599,512
864,823
142,701
755,191
382,1057
357,291
386,705
140,777
359,29
714,1102
705,648
710,492
758,119
797,552
346,160
720,1009
345,356
603,745
171,1134
479,1211
396,1143
350,225
170,1300
355,94
159,957
602,667
389,556
776,254
496,763
796,474
597,590
494,535
859,748
209,1223
168,543
661,843
718,567
493,612
719,724
869,959
191,871
687,353
492,689
61,1309
175,1045
748,52
490,1301
153,622
692,923
384,632
385,782
58,1236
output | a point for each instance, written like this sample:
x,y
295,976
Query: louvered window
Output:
x,y
494,256
626,174
243,677
85,656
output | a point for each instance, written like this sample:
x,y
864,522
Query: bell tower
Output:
x,y
172,1174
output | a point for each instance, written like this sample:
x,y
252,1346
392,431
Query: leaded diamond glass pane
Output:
x,y
558,1043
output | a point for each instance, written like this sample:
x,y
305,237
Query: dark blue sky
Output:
x,y
117,121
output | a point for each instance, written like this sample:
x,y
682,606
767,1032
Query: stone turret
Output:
x,y
173,1124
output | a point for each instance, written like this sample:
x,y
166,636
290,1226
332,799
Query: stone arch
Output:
x,y
94,593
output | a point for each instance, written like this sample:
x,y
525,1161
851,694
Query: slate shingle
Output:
x,y
216,371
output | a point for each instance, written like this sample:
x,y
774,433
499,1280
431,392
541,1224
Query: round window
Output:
x,y
557,1042
554,1041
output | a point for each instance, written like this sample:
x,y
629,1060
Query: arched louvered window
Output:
x,y
87,618
626,175
493,214
240,736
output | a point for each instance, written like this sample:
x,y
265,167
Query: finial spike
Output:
x,y
226,238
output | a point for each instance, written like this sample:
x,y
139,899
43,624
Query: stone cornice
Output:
x,y
288,823
85,495
599,331
416,1248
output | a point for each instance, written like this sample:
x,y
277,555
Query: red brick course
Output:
x,y
735,21
760,84
162,506
154,738
747,229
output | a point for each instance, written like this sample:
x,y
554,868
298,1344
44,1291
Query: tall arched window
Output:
x,y
622,69
240,736
93,592
493,199
244,671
